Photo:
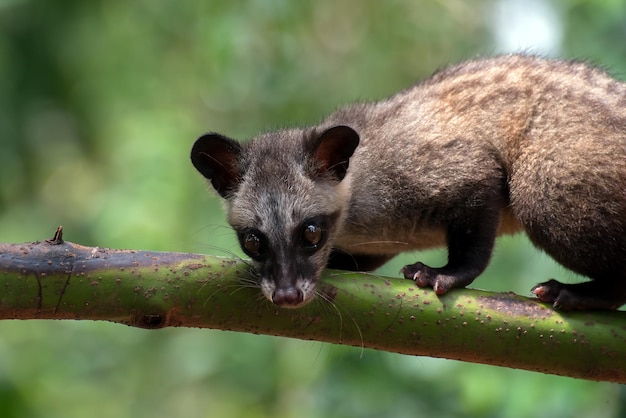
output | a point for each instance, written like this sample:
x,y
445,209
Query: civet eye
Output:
x,y
252,243
312,235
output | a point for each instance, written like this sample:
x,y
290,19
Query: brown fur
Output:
x,y
486,147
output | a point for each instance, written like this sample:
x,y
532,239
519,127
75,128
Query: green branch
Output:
x,y
54,279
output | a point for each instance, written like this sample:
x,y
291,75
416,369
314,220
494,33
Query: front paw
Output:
x,y
425,276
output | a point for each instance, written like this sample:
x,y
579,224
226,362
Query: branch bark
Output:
x,y
54,279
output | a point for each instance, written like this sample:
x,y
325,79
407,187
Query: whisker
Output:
x,y
217,232
248,279
218,250
357,237
380,242
338,308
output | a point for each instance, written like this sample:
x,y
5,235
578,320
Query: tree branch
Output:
x,y
54,279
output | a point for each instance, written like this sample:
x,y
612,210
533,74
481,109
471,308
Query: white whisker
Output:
x,y
338,308
380,242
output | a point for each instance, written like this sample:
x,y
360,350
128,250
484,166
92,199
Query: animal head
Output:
x,y
285,195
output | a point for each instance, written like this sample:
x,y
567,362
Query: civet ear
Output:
x,y
333,149
216,158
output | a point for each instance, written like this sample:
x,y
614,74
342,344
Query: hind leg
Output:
x,y
593,247
589,295
577,215
593,250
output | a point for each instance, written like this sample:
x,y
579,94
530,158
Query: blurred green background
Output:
x,y
100,102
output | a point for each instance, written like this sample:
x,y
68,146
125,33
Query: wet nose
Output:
x,y
289,296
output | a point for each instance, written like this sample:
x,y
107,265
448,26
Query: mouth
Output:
x,y
300,305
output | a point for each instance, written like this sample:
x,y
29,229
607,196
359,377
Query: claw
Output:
x,y
436,278
420,274
548,291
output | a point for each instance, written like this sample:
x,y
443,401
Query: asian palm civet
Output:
x,y
487,147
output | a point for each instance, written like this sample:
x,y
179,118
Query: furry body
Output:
x,y
486,147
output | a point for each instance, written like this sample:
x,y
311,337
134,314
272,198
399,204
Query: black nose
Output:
x,y
287,297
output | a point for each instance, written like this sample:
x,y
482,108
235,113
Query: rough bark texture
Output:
x,y
54,279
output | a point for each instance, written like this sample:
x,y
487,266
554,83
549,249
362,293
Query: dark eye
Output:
x,y
312,235
252,243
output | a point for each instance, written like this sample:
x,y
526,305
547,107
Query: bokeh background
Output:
x,y
100,102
